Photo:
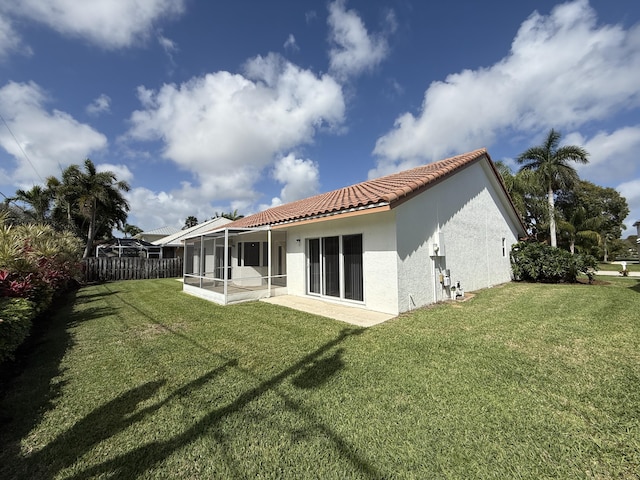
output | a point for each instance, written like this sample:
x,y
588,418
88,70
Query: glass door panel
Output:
x,y
331,257
313,281
352,255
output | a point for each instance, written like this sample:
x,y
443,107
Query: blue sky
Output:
x,y
206,106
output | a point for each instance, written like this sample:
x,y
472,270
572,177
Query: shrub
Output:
x,y
538,262
16,316
36,263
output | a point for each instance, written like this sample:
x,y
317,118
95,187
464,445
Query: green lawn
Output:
x,y
138,380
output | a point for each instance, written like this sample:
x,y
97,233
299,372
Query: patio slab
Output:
x,y
353,315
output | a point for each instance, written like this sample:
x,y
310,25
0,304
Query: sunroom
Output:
x,y
236,265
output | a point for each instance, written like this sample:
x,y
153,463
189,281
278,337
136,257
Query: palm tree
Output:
x,y
526,194
578,227
229,216
190,221
92,201
130,230
551,164
39,199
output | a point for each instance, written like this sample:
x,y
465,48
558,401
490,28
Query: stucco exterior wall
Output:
x,y
471,214
379,257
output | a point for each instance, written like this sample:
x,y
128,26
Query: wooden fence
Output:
x,y
130,268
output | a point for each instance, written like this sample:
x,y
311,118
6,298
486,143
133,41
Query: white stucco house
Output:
x,y
389,245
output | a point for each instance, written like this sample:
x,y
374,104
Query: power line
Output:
x,y
21,149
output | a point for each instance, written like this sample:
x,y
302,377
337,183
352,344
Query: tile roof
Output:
x,y
387,190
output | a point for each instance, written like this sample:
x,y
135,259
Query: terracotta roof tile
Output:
x,y
386,190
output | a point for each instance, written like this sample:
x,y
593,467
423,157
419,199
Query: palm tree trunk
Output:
x,y
552,218
91,234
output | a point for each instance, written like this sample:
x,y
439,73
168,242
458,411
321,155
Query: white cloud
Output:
x,y
353,49
102,104
51,140
226,128
301,178
563,70
121,172
611,155
290,44
110,24
10,40
631,192
151,210
169,47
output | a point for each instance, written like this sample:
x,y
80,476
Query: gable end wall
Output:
x,y
473,215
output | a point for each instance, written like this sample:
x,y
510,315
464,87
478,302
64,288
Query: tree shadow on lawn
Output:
x,y
27,390
104,422
310,371
636,287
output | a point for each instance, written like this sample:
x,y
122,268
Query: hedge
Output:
x,y
16,317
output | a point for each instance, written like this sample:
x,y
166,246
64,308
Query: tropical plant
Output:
x,y
189,222
230,216
130,230
39,199
550,162
539,262
91,202
527,195
36,261
594,215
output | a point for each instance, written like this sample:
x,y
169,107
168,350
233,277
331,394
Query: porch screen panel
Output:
x,y
352,256
314,265
331,250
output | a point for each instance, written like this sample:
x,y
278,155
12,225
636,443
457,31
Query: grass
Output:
x,y
137,380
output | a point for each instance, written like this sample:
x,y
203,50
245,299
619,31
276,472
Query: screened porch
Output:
x,y
235,265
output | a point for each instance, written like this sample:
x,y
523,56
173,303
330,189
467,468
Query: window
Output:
x,y
504,247
334,267
251,254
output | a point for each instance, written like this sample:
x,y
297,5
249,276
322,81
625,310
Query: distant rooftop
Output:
x,y
166,230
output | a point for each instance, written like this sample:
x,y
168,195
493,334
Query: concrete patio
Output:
x,y
353,315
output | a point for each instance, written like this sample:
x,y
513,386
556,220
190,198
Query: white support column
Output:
x,y
269,272
201,260
226,263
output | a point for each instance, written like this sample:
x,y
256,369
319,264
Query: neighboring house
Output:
x,y
157,234
173,245
637,225
391,244
128,247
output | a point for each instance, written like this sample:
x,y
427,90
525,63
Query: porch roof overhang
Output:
x,y
230,232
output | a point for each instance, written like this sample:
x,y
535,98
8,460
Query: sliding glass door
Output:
x,y
334,267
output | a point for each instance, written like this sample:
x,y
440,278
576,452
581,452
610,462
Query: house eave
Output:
x,y
323,217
